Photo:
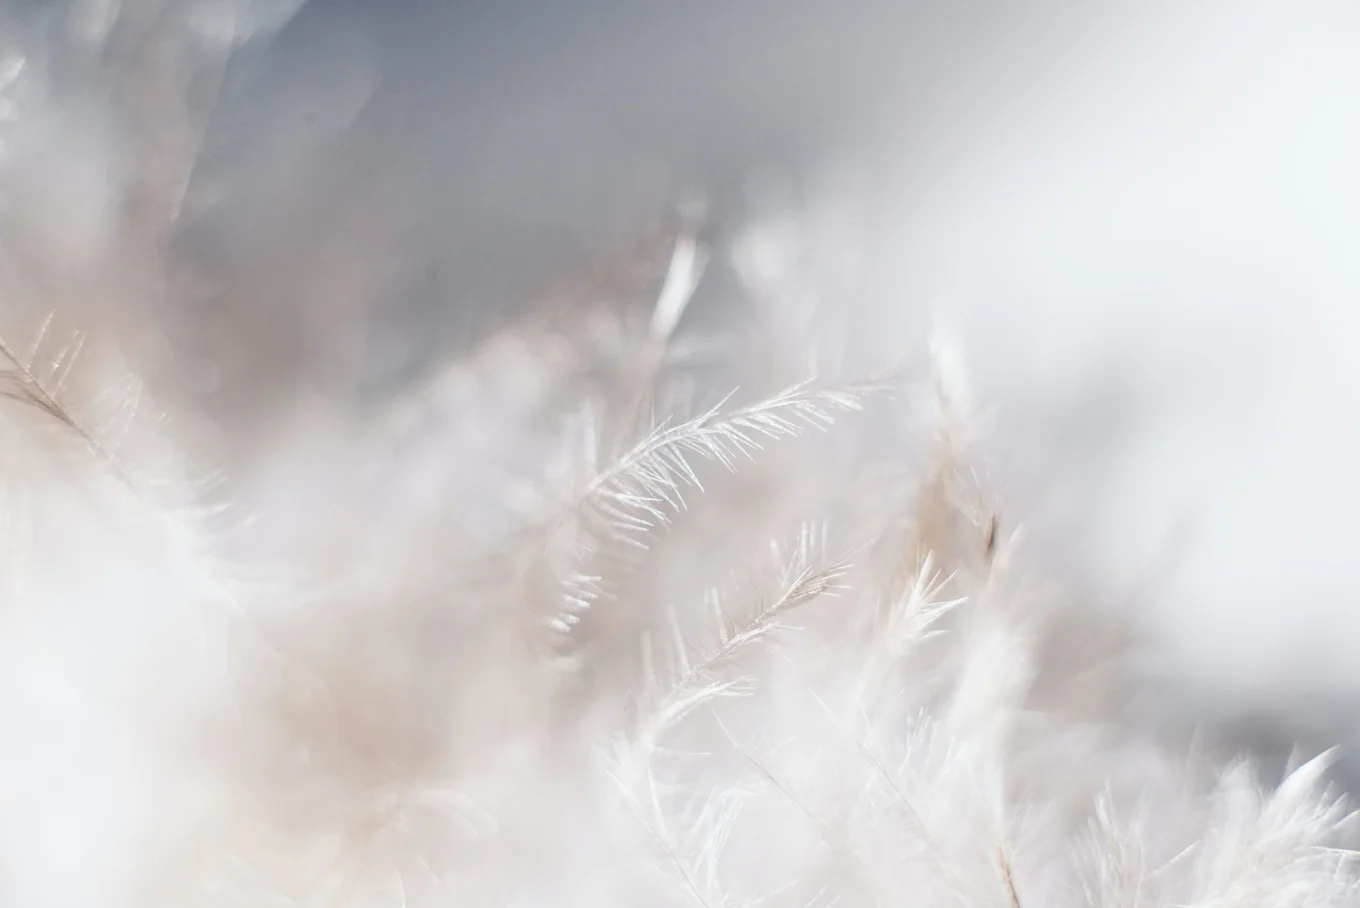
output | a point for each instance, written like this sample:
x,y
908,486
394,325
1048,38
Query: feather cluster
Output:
x,y
619,606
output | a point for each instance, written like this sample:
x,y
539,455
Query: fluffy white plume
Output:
x,y
704,583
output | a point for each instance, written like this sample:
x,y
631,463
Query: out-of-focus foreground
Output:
x,y
714,453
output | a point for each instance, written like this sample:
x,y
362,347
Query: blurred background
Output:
x,y
1136,222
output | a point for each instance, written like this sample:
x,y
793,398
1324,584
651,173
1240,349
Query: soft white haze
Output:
x,y
380,526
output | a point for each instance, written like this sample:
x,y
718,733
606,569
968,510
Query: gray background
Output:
x,y
1141,220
